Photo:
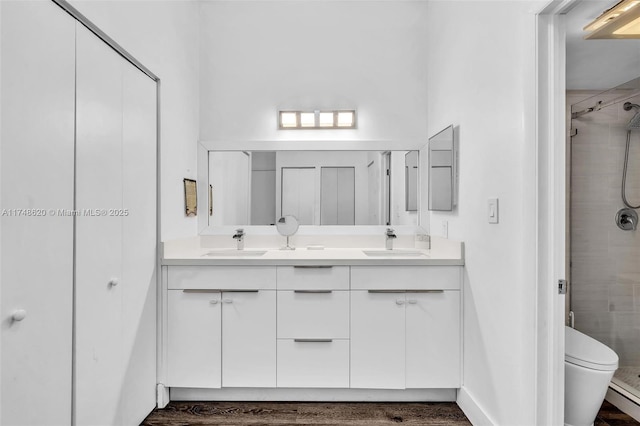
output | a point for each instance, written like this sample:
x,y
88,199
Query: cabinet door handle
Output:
x,y
113,282
399,302
239,291
313,266
227,300
214,302
200,291
313,340
412,301
387,291
425,291
313,291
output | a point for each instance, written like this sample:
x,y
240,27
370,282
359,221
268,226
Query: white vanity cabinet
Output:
x,y
319,327
405,327
313,326
221,327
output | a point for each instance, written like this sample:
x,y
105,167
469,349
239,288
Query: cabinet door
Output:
x,y
249,339
193,339
377,340
98,302
433,339
37,134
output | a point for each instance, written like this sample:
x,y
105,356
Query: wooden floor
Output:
x,y
609,415
299,413
331,414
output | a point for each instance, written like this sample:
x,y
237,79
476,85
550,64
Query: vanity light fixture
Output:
x,y
339,119
621,21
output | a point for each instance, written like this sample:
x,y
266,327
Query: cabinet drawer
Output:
x,y
313,364
222,277
406,277
313,278
303,314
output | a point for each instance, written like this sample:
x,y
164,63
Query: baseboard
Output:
x,y
472,409
617,397
284,394
162,395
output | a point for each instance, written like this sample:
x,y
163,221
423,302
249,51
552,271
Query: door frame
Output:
x,y
550,222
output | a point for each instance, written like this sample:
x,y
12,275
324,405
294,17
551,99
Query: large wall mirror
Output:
x,y
317,187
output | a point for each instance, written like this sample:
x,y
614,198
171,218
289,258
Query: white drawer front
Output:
x,y
406,277
307,364
222,277
311,314
313,278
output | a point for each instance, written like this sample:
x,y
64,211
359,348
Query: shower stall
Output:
x,y
604,242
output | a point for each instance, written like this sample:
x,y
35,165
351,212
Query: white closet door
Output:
x,y
99,283
138,244
298,193
37,100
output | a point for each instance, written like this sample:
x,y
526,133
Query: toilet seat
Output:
x,y
587,352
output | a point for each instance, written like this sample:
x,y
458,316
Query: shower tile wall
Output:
x,y
605,260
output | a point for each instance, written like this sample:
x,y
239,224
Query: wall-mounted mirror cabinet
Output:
x,y
317,187
442,170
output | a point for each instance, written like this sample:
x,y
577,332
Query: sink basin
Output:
x,y
394,253
235,253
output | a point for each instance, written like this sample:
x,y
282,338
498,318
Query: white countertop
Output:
x,y
203,251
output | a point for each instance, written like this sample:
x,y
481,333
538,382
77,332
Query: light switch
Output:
x,y
493,210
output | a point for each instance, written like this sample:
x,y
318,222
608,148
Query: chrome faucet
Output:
x,y
389,241
239,235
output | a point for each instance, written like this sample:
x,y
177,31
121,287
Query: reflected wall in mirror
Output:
x,y
317,187
442,170
411,181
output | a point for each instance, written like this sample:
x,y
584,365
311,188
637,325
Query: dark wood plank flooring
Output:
x,y
609,415
304,413
332,414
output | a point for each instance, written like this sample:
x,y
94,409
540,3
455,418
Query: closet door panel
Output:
x,y
38,48
139,244
99,287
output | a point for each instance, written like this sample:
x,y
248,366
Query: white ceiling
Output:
x,y
597,64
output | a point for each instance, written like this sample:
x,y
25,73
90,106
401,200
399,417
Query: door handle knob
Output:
x,y
113,282
19,315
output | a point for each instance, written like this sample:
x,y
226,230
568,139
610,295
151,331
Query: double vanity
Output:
x,y
313,323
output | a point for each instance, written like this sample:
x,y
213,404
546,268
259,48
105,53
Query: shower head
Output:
x,y
634,123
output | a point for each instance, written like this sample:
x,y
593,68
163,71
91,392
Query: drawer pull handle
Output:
x,y
240,291
227,300
412,301
313,340
399,302
200,291
214,302
313,291
406,291
313,266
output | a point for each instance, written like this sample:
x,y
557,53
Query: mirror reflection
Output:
x,y
317,187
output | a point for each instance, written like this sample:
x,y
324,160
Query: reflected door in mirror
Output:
x,y
337,196
298,193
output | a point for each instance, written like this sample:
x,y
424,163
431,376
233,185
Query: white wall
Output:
x,y
262,56
481,77
163,35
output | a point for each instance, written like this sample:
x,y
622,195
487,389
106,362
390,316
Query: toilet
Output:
x,y
588,368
